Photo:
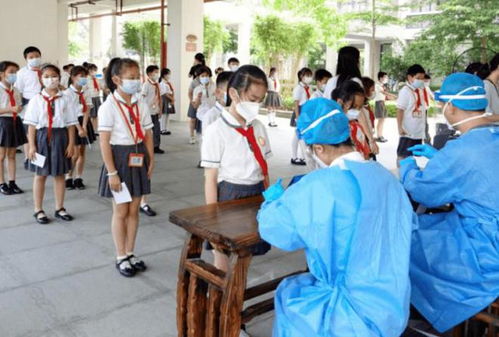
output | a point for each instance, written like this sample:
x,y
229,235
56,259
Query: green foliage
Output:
x,y
143,37
384,14
230,45
317,56
270,39
74,49
215,36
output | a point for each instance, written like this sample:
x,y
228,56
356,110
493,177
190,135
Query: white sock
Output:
x,y
272,117
294,147
303,148
129,254
119,258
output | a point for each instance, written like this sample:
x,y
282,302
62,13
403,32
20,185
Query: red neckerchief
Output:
x,y
307,90
249,134
96,84
50,112
39,73
12,101
135,117
82,101
275,84
357,133
156,88
418,98
425,95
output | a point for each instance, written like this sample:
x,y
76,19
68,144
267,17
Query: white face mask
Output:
x,y
384,81
373,95
50,82
316,162
353,114
204,80
130,87
456,96
418,84
155,77
427,84
307,79
35,63
248,110
233,68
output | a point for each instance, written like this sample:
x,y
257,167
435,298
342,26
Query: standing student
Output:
x,y
301,94
233,64
12,133
380,111
128,153
321,76
428,96
105,89
94,89
168,101
347,68
84,132
273,100
66,73
235,147
204,94
411,112
215,112
151,92
51,119
191,113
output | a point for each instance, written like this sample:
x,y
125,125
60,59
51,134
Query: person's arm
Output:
x,y
366,126
31,142
149,144
210,185
196,102
189,93
16,109
71,141
400,119
107,157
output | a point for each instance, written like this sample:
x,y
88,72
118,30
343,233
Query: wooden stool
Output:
x,y
209,301
489,316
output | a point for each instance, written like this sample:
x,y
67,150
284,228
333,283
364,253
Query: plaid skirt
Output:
x,y
95,109
273,100
12,135
228,191
168,107
90,139
135,178
56,162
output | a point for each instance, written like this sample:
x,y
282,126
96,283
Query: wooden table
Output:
x,y
209,301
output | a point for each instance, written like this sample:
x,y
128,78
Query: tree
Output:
x,y
143,38
215,35
270,39
231,44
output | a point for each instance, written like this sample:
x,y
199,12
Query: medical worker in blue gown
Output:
x,y
455,255
353,219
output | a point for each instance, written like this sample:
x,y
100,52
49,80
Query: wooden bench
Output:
x,y
209,301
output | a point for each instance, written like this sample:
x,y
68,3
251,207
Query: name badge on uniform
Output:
x,y
136,160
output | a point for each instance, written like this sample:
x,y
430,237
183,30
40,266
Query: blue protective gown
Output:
x,y
355,227
455,255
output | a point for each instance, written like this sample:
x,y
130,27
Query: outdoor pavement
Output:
x,y
59,280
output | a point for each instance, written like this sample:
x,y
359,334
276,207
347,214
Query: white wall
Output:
x,y
40,23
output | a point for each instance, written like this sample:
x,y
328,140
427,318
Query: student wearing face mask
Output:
x,y
168,99
12,133
94,89
233,64
128,153
151,93
358,284
411,111
209,116
455,255
204,94
51,118
236,146
321,76
381,96
85,134
301,94
273,100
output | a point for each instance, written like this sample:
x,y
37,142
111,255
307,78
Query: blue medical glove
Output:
x,y
407,165
423,150
274,192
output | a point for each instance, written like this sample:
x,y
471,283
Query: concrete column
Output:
x,y
243,41
62,33
371,58
185,39
114,36
95,40
331,59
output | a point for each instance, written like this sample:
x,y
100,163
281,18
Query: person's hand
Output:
x,y
374,147
70,151
31,153
402,132
17,109
423,150
409,161
82,133
115,183
274,192
150,169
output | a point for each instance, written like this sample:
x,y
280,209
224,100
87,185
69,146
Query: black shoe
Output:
x,y
5,189
78,184
158,150
63,215
381,140
42,220
147,210
125,268
18,151
302,162
163,133
272,125
299,162
136,263
14,188
168,133
199,165
70,184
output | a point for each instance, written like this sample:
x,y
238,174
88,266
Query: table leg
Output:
x,y
192,249
213,311
196,306
233,296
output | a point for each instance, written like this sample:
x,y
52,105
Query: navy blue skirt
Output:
x,y
56,162
95,109
90,139
12,134
228,191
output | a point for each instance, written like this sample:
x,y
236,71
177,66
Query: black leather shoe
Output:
x,y
158,150
136,263
18,151
63,215
70,184
14,188
5,189
147,210
41,218
78,184
125,268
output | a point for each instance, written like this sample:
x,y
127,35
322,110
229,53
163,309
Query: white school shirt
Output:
x,y
300,94
5,99
65,113
93,91
150,96
414,123
165,88
111,120
28,82
317,93
208,98
492,94
273,84
378,89
209,116
226,149
74,98
65,79
332,83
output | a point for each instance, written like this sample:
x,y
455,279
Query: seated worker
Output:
x,y
355,231
455,255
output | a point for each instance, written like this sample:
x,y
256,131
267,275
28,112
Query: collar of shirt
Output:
x,y
75,90
219,106
230,120
46,94
351,156
410,86
304,85
122,100
5,88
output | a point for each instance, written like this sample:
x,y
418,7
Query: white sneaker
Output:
x,y
243,333
192,141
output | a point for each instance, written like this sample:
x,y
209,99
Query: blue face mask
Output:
x,y
82,81
11,78
130,87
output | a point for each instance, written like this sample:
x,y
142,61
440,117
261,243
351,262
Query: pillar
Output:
x,y
62,33
331,59
372,57
185,39
114,36
95,41
243,41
